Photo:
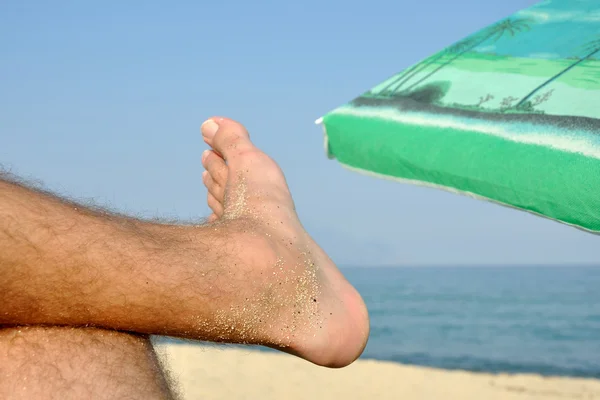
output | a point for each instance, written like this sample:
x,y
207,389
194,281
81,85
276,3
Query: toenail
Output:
x,y
209,128
204,155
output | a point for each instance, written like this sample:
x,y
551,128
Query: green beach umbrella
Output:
x,y
510,114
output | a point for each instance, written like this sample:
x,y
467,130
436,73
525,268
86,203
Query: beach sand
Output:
x,y
219,372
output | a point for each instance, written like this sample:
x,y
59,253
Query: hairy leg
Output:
x,y
78,363
252,275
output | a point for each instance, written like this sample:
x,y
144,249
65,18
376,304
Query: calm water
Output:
x,y
528,319
543,320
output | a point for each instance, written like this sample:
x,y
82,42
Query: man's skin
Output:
x,y
78,363
250,275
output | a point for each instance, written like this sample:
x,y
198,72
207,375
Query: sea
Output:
x,y
530,319
533,319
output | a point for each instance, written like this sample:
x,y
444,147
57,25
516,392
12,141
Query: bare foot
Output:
x,y
299,302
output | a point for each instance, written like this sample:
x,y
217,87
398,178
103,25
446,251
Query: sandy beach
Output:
x,y
230,373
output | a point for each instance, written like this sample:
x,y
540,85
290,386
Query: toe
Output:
x,y
212,218
215,166
215,205
213,187
226,136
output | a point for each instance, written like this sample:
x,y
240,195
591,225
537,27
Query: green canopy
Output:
x,y
510,114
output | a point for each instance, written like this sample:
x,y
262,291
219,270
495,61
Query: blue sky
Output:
x,y
103,101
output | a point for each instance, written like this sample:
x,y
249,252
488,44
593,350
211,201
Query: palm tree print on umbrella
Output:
x,y
510,26
591,49
405,76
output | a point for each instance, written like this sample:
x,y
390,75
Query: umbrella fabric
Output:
x,y
510,114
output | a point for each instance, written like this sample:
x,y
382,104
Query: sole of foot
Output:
x,y
302,304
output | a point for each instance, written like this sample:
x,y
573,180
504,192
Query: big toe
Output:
x,y
226,137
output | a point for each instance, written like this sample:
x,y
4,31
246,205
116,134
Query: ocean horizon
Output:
x,y
497,319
